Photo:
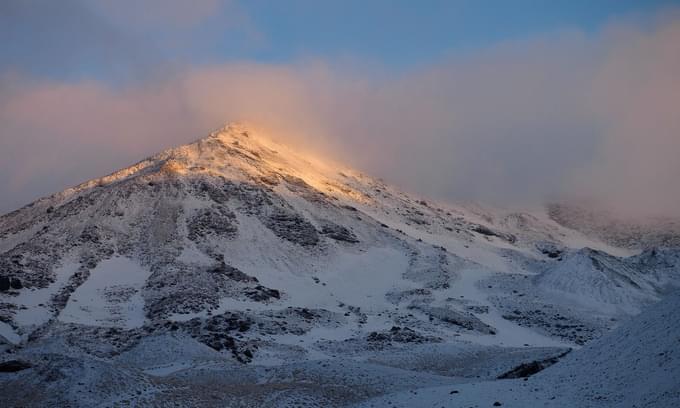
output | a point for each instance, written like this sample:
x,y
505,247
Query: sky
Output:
x,y
508,102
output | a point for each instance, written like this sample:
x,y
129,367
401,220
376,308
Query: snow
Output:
x,y
598,282
35,301
508,334
577,240
481,253
636,365
390,277
191,255
357,279
8,333
110,297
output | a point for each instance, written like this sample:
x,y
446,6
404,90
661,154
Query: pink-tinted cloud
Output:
x,y
636,93
565,114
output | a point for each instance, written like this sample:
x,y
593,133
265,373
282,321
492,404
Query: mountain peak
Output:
x,y
235,251
240,152
241,149
235,129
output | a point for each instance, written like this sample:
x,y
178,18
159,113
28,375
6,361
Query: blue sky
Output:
x,y
125,39
404,33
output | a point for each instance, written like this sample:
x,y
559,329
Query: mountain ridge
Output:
x,y
237,250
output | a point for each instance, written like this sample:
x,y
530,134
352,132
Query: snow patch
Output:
x,y
33,304
8,333
110,297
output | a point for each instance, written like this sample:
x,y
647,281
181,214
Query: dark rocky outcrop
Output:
x,y
260,293
15,283
549,249
5,283
528,369
217,221
292,227
400,335
232,273
463,319
12,366
338,233
484,230
421,295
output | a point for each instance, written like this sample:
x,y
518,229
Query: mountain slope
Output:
x,y
636,365
236,250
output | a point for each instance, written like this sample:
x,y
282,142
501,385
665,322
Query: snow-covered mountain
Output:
x,y
238,255
636,365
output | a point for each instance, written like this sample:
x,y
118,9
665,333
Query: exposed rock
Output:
x,y
420,295
549,249
400,335
338,233
307,192
463,319
232,273
15,283
218,221
292,227
215,333
12,366
5,283
637,233
261,293
528,369
484,230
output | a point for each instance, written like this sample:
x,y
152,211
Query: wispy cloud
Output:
x,y
592,115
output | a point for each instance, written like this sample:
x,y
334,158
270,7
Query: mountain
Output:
x,y
236,270
635,365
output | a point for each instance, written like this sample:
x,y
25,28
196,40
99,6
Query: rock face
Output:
x,y
618,232
5,283
339,233
294,228
463,319
525,370
235,251
598,276
400,335
12,366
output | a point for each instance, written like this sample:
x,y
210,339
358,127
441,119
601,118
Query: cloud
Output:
x,y
636,95
565,114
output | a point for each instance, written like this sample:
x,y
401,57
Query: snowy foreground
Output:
x,y
236,272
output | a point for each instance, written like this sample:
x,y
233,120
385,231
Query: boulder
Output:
x,y
5,283
15,283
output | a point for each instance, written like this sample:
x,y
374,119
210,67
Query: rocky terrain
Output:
x,y
235,271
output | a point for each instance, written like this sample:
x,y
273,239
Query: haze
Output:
x,y
458,101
